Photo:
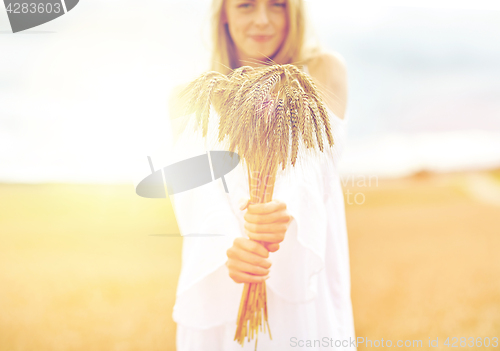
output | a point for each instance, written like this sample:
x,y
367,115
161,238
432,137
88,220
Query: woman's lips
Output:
x,y
261,38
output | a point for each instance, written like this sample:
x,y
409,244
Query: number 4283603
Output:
x,y
471,342
33,8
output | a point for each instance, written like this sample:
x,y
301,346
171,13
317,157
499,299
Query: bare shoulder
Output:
x,y
328,70
328,60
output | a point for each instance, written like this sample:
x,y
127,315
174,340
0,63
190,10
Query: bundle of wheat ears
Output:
x,y
266,113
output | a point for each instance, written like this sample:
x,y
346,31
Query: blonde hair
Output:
x,y
293,49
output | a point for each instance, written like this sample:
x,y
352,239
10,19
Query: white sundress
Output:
x,y
308,292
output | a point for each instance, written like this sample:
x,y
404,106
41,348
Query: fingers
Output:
x,y
241,266
278,227
237,253
251,246
266,208
270,212
243,203
265,225
272,247
274,238
278,216
241,277
270,227
247,261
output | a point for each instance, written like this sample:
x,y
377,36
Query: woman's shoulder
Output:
x,y
329,70
327,61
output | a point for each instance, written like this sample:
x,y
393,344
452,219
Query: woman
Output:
x,y
303,252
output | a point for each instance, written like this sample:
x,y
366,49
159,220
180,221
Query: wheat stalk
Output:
x,y
266,114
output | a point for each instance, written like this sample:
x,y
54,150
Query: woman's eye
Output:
x,y
244,6
280,4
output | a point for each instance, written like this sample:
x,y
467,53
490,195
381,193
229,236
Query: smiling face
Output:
x,y
257,27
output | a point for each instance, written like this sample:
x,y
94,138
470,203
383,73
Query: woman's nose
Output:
x,y
261,16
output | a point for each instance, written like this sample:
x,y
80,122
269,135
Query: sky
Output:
x,y
84,98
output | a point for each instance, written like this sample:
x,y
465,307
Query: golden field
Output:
x,y
80,270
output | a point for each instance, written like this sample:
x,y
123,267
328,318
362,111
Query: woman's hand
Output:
x,y
267,222
265,225
248,261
